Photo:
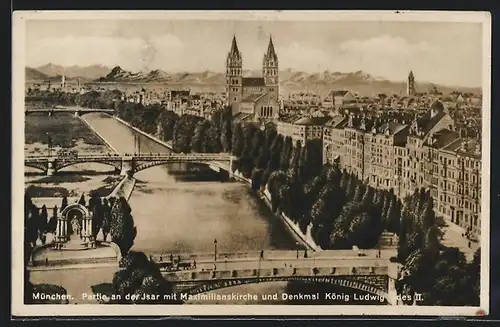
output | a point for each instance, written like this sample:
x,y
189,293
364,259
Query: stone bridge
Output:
x,y
369,273
127,164
75,110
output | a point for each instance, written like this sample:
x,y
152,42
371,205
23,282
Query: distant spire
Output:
x,y
270,49
411,74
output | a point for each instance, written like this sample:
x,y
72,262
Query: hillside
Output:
x,y
290,80
33,74
88,72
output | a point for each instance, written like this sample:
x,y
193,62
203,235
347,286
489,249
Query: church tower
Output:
x,y
270,70
234,71
410,87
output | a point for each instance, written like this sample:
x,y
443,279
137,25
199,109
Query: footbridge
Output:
x,y
371,272
77,111
127,164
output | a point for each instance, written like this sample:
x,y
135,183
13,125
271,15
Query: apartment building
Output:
x,y
427,153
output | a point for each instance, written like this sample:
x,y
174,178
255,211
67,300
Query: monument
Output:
x,y
74,228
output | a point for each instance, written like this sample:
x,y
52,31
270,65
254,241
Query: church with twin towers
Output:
x,y
253,99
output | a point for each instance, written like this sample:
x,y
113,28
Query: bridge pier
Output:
x,y
77,114
127,167
50,113
51,170
231,170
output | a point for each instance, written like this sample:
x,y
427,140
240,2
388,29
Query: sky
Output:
x,y
447,53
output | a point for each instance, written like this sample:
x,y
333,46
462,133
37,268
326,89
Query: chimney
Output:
x,y
463,146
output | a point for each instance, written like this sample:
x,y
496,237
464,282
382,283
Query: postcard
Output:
x,y
251,163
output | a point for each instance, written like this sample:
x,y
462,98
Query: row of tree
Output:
x,y
442,275
91,99
187,133
136,275
342,210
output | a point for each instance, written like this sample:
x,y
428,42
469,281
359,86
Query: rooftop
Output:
x,y
253,97
312,121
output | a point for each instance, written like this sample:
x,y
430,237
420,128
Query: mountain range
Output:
x,y
359,81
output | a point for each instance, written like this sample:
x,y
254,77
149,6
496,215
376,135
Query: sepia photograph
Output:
x,y
251,163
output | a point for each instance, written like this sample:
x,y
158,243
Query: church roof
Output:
x,y
253,97
253,81
337,93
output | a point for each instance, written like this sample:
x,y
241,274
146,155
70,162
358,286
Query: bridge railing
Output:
x,y
213,156
274,255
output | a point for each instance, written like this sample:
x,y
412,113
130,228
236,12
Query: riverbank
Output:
x,y
154,138
124,188
109,145
305,239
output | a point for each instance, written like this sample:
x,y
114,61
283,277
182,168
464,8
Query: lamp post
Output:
x,y
49,142
258,268
297,244
215,250
225,262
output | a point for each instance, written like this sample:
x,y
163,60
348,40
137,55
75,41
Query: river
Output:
x,y
175,215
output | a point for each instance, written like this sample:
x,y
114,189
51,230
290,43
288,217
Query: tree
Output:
x,y
225,129
43,221
82,200
122,229
212,144
256,178
200,136
238,140
64,203
275,153
286,153
138,277
52,224
106,222
96,207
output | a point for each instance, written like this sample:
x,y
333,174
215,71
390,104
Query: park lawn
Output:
x,y
64,129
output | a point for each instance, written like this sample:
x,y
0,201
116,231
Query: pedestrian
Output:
x,y
179,258
160,258
469,245
262,254
46,261
194,263
171,257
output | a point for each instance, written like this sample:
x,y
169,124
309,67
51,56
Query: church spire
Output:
x,y
271,53
234,49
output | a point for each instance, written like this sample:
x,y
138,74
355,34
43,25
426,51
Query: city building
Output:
x,y
337,99
424,153
410,86
255,97
301,128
